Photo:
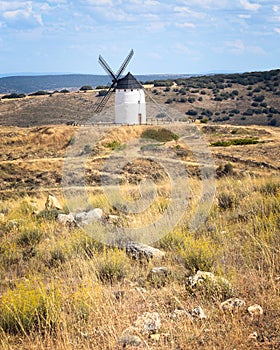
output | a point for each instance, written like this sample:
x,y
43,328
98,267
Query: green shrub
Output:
x,y
235,142
160,135
30,237
226,201
26,308
113,266
86,87
115,145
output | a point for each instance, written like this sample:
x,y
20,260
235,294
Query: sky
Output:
x,y
179,36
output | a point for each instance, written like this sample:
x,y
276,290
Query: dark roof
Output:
x,y
128,82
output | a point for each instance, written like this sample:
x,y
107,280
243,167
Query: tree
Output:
x,y
86,87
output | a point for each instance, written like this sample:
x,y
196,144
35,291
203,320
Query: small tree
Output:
x,y
86,88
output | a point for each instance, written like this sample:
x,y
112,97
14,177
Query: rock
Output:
x,y
233,304
2,217
149,322
130,340
66,219
113,219
197,313
158,271
88,217
253,336
155,337
255,310
178,314
52,203
143,251
202,276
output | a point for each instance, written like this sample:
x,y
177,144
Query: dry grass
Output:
x,y
62,289
58,286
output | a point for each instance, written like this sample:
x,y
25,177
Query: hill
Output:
x,y
213,288
238,99
29,84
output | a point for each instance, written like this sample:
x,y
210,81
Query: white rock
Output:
x,y
52,203
148,322
2,217
197,313
202,276
140,251
179,314
253,336
233,304
88,217
130,340
66,219
255,310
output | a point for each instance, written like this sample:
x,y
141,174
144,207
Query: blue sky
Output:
x,y
180,36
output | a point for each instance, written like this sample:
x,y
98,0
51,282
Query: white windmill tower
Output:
x,y
130,105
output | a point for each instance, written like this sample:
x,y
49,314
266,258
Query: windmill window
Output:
x,y
124,90
131,89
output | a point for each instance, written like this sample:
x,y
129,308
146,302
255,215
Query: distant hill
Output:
x,y
31,83
239,99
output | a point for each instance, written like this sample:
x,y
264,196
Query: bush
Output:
x,y
235,142
39,93
13,95
86,88
101,93
226,201
169,101
30,238
191,112
113,266
160,135
26,308
114,145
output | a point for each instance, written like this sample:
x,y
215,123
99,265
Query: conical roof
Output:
x,y
128,82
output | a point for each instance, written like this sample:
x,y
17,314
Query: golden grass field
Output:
x,y
62,289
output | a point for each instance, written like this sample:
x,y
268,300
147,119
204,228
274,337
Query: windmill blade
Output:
x,y
106,67
125,63
99,105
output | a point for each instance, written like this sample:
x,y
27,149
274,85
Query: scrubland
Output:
x,y
60,288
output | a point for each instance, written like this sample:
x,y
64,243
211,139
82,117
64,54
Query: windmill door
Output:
x,y
140,118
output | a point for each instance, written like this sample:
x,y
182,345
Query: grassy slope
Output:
x,y
58,284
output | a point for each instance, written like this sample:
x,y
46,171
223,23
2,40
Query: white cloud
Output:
x,y
185,25
238,47
276,8
209,4
151,3
185,11
99,2
249,6
277,30
244,16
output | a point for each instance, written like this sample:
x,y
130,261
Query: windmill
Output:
x,y
130,105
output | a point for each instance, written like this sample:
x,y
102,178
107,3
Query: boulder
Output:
x,y
202,276
130,340
233,304
197,313
149,322
178,314
158,271
52,203
89,217
143,251
66,219
255,310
